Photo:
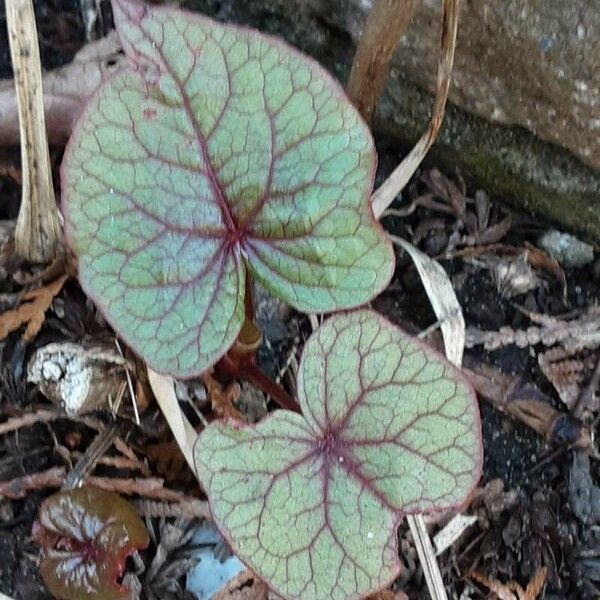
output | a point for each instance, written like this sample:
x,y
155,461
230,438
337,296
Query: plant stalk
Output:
x,y
38,232
393,185
385,25
264,383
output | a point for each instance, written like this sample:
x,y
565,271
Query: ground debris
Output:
x,y
573,335
80,379
584,495
524,401
387,595
569,373
245,586
513,275
32,311
222,398
171,562
513,590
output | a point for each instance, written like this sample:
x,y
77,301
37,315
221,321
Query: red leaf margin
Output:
x,y
137,10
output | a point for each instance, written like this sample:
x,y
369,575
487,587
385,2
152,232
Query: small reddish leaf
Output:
x,y
86,535
311,503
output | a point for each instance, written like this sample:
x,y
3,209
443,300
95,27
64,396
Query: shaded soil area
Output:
x,y
538,504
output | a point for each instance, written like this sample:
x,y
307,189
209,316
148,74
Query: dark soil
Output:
x,y
540,527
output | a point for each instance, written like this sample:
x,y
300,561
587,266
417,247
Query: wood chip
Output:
x,y
452,531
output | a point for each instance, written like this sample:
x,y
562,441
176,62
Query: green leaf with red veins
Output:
x,y
311,502
216,151
86,536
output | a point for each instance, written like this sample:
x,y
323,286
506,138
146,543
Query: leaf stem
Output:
x,y
263,382
385,25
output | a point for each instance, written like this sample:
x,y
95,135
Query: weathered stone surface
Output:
x,y
534,64
521,89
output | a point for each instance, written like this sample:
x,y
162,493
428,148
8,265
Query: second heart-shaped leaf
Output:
x,y
311,502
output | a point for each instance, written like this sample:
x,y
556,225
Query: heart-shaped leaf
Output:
x,y
86,535
214,152
311,503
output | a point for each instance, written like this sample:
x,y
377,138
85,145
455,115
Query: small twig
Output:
x,y
392,186
129,384
45,416
146,487
38,232
16,423
188,508
385,25
18,487
95,451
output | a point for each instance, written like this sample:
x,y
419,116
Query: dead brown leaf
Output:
x,y
538,259
170,462
222,398
245,586
32,310
569,374
524,401
512,590
388,595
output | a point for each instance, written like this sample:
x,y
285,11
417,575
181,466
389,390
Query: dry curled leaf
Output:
x,y
512,590
569,374
32,310
245,586
222,398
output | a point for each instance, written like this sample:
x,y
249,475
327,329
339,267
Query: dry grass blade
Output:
x,y
38,235
185,435
385,25
431,569
449,313
32,311
390,188
95,451
443,300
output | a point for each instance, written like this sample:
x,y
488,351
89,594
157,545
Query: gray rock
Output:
x,y
535,64
566,249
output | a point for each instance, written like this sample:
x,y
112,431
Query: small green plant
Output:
x,y
86,536
219,155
